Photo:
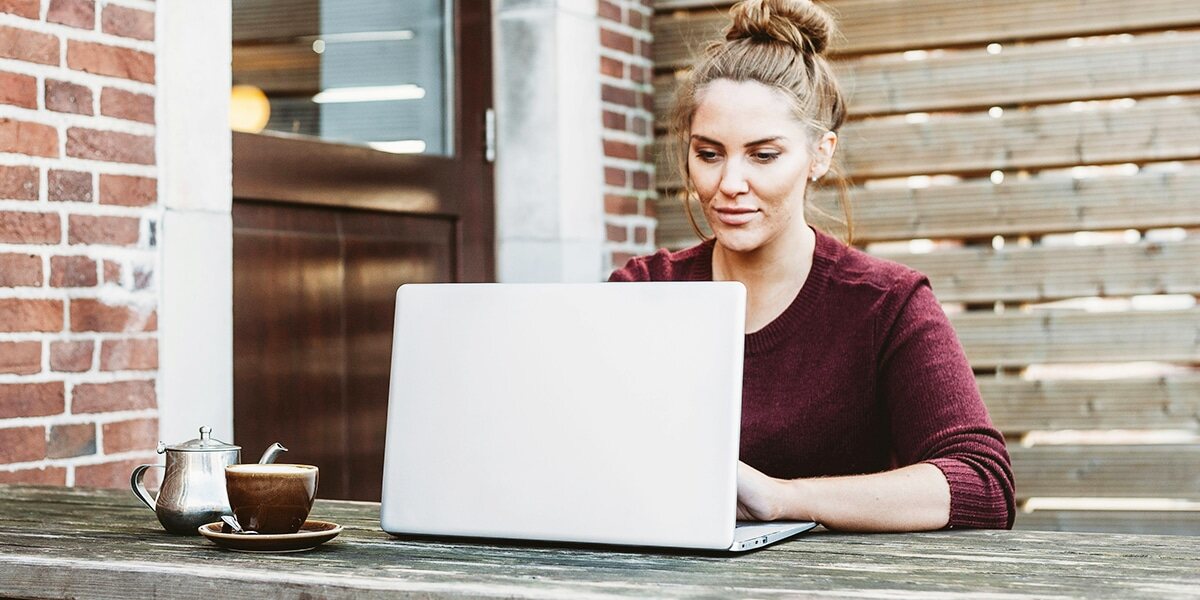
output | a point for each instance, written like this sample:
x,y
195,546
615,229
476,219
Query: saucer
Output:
x,y
311,535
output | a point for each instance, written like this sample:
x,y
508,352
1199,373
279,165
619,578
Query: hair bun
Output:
x,y
798,23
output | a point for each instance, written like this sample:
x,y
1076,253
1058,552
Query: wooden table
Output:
x,y
72,543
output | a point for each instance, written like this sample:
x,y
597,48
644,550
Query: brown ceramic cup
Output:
x,y
273,498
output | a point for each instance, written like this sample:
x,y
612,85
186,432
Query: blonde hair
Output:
x,y
780,44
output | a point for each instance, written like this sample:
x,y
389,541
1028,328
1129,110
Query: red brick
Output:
x,y
99,230
18,314
31,399
647,102
641,126
67,97
71,357
20,270
43,476
612,67
143,277
639,74
22,444
127,22
29,46
616,41
636,19
18,183
21,358
110,146
649,210
620,205
69,186
614,120
126,105
617,233
126,190
112,397
107,475
109,60
646,50
18,90
610,11
614,149
616,95
614,177
641,235
129,355
30,228
33,139
127,436
75,13
73,271
69,441
22,8
641,180
112,271
93,315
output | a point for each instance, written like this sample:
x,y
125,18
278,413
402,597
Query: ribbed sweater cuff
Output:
x,y
973,503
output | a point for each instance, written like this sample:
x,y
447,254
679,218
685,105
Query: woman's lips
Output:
x,y
735,216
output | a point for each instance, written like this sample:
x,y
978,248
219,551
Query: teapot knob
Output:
x,y
205,433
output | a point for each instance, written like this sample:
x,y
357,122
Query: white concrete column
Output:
x,y
549,164
195,190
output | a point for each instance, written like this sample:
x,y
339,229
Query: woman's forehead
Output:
x,y
743,109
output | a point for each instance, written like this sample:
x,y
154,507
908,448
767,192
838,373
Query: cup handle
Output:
x,y
139,488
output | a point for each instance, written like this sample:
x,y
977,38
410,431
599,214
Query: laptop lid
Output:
x,y
597,413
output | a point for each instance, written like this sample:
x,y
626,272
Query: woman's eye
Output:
x,y
765,156
706,155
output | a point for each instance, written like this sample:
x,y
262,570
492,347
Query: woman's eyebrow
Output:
x,y
768,140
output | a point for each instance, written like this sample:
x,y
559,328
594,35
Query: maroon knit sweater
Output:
x,y
861,373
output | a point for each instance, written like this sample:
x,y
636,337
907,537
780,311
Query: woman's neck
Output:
x,y
773,275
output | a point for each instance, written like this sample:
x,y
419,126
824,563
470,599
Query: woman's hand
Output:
x,y
760,498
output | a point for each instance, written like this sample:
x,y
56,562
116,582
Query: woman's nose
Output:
x,y
733,181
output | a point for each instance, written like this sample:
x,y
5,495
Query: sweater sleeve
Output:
x,y
635,269
937,415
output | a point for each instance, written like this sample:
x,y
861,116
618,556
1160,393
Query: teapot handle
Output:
x,y
139,488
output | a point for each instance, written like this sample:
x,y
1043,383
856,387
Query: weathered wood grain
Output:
x,y
1018,406
1159,522
890,26
115,552
1059,336
1125,471
1037,74
1042,273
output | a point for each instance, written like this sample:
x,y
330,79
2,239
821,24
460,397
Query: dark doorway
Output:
x,y
325,230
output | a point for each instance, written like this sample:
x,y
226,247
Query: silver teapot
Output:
x,y
193,487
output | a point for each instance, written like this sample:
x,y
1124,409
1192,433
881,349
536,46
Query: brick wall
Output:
x,y
627,98
78,218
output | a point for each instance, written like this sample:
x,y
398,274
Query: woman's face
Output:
x,y
750,159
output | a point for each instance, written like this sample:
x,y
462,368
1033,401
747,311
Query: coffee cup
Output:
x,y
272,498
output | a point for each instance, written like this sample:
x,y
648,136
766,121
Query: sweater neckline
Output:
x,y
802,308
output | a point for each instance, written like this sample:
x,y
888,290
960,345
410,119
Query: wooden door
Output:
x,y
324,233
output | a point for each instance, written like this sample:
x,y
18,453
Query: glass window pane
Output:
x,y
372,72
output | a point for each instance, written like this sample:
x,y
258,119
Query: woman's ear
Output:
x,y
823,155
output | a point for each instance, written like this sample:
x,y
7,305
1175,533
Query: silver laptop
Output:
x,y
593,413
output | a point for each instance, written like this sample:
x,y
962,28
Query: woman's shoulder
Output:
x,y
856,271
689,264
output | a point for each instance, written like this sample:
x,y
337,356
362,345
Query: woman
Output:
x,y
860,410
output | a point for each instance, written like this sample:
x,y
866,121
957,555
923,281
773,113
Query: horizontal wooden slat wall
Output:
x,y
1039,160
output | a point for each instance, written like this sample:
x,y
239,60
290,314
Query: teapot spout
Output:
x,y
271,454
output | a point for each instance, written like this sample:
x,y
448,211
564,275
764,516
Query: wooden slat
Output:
x,y
969,144
1046,273
1018,406
981,210
1158,522
275,19
1042,73
892,26
1059,336
1153,471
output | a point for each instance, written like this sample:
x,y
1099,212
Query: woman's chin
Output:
x,y
738,241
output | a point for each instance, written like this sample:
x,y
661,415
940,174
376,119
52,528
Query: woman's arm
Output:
x,y
912,498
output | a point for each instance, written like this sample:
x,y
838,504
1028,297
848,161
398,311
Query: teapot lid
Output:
x,y
205,443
